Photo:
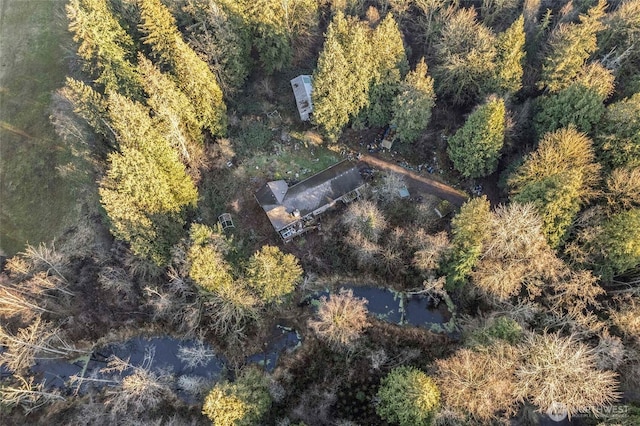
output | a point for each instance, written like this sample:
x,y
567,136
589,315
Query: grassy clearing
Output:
x,y
290,164
36,202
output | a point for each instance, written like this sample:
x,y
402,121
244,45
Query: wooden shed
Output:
x,y
301,86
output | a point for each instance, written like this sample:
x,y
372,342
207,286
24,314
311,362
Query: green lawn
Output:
x,y
36,203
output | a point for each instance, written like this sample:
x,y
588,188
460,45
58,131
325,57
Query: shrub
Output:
x,y
242,403
408,397
365,218
254,136
500,328
341,319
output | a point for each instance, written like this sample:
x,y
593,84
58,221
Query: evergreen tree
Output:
x,y
104,46
146,188
241,403
596,77
570,45
270,37
207,266
218,31
88,104
192,75
342,78
580,104
273,274
390,65
510,58
499,13
466,55
408,397
302,20
558,178
475,148
575,105
174,111
618,135
136,194
618,46
412,107
619,243
469,229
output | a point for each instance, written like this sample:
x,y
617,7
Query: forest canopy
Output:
x,y
486,270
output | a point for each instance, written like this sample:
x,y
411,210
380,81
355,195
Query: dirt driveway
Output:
x,y
417,181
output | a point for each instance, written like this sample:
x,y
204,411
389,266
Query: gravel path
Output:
x,y
417,181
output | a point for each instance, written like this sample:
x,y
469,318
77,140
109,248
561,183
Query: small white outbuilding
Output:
x,y
301,86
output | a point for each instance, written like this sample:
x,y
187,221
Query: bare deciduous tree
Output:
x,y
365,218
230,309
429,256
195,355
193,385
116,279
515,254
479,383
341,319
574,292
388,190
558,369
623,188
179,309
140,392
40,340
27,394
627,319
610,352
366,252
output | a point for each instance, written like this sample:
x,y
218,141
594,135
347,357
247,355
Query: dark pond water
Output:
x,y
4,371
181,358
383,303
281,340
397,307
158,354
422,311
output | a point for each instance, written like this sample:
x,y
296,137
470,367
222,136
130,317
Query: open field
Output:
x,y
36,202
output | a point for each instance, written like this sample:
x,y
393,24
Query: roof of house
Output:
x,y
280,201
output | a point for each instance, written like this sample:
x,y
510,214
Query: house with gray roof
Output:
x,y
292,210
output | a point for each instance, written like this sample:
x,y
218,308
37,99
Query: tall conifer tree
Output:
x,y
342,78
192,74
558,178
570,45
413,104
389,68
146,189
105,47
475,148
